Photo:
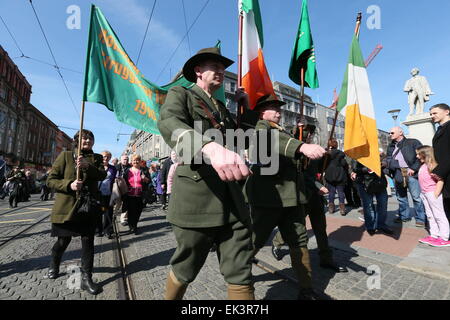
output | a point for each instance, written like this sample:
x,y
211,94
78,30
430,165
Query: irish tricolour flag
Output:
x,y
255,78
355,103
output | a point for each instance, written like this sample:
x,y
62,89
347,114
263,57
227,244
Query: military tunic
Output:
x,y
277,200
203,209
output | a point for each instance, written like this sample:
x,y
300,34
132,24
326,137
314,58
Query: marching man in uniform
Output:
x,y
207,206
278,199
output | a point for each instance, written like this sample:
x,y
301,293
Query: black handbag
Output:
x,y
87,204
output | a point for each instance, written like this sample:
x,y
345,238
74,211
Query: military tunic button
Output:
x,y
195,176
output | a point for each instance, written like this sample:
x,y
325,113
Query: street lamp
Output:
x,y
394,114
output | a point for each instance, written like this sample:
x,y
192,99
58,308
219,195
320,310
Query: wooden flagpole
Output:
x,y
240,110
80,136
302,102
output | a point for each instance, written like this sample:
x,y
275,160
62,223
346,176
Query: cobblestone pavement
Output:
x,y
24,262
148,256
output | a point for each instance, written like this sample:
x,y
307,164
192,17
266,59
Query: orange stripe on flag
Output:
x,y
361,139
257,82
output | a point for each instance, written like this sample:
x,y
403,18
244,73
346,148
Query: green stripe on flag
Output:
x,y
355,59
253,5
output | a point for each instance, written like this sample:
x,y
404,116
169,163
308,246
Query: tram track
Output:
x,y
125,284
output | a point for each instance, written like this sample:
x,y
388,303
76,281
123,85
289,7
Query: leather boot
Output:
x,y
241,292
88,285
342,209
53,270
174,289
331,208
302,266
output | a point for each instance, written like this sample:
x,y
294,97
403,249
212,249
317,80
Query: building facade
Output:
x,y
15,92
24,130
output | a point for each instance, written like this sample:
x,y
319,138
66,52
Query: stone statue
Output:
x,y
418,92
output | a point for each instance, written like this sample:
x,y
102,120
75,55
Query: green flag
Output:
x,y
303,55
112,79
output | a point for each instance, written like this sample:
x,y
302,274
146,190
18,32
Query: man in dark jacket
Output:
x,y
404,166
440,114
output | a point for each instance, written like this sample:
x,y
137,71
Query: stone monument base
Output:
x,y
420,127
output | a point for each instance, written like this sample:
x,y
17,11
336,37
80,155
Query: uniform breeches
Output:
x,y
234,250
290,222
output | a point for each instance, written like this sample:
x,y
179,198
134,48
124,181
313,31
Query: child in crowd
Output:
x,y
431,189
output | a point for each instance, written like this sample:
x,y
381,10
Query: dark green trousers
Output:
x,y
234,250
290,222
316,212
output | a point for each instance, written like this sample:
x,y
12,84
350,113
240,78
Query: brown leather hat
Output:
x,y
268,100
203,55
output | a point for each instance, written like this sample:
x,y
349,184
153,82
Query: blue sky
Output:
x,y
413,34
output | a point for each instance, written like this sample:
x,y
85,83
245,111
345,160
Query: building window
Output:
x,y
3,91
12,124
232,86
310,112
10,144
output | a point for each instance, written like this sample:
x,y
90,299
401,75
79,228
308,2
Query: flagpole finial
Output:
x,y
359,17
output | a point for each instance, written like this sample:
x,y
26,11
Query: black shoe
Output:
x,y
99,234
136,231
371,232
88,285
276,252
386,231
110,236
53,273
307,294
132,230
334,267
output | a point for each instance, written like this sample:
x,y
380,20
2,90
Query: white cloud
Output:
x,y
134,14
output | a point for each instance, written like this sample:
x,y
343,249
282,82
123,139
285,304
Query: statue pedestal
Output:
x,y
420,127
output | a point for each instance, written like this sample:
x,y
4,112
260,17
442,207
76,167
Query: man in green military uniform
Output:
x,y
315,209
207,205
277,199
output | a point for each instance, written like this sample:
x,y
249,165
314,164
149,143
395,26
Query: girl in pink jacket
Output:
x,y
431,189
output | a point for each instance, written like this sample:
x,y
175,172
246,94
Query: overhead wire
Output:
x,y
54,59
185,24
47,63
145,35
181,41
23,55
14,39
